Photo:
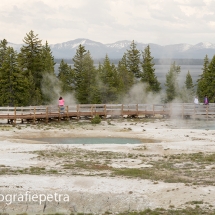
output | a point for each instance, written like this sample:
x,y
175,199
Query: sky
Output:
x,y
163,22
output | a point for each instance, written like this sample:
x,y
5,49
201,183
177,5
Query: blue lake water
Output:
x,y
195,71
161,71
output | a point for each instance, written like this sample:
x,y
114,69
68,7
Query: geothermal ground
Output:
x,y
172,168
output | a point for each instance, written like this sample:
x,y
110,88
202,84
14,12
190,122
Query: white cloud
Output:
x,y
148,21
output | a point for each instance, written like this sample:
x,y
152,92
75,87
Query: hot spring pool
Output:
x,y
94,140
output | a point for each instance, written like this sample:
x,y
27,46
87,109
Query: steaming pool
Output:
x,y
94,140
194,124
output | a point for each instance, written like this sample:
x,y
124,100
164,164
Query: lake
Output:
x,y
195,71
161,71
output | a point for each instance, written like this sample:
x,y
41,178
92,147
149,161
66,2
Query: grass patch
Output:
x,y
87,166
151,174
195,202
195,157
29,171
6,127
191,169
179,168
161,211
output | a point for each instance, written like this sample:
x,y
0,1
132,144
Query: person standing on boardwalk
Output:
x,y
61,104
196,101
206,100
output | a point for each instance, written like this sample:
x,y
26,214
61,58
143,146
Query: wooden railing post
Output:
x,y
182,110
165,113
91,110
22,121
195,112
78,112
163,110
34,119
153,108
59,116
105,111
47,114
67,112
14,116
137,110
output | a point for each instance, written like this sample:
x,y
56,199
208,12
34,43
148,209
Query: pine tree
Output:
x,y
172,88
209,77
148,75
187,92
3,48
66,77
189,82
126,78
133,60
78,66
31,62
110,81
48,82
14,86
202,82
48,59
87,89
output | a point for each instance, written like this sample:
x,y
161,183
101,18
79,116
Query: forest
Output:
x,y
28,78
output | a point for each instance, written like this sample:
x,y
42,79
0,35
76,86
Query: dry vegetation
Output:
x,y
191,169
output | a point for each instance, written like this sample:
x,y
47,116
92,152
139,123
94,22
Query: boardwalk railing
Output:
x,y
47,113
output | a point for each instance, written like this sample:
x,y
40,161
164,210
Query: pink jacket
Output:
x,y
61,102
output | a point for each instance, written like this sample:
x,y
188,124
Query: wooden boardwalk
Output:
x,y
49,113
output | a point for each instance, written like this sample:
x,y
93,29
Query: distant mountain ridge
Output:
x,y
67,50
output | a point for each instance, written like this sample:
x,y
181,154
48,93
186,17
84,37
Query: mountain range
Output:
x,y
67,50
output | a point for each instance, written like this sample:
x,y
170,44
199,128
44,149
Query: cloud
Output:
x,y
148,21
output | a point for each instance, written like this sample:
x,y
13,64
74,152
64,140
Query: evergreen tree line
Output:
x,y
28,77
